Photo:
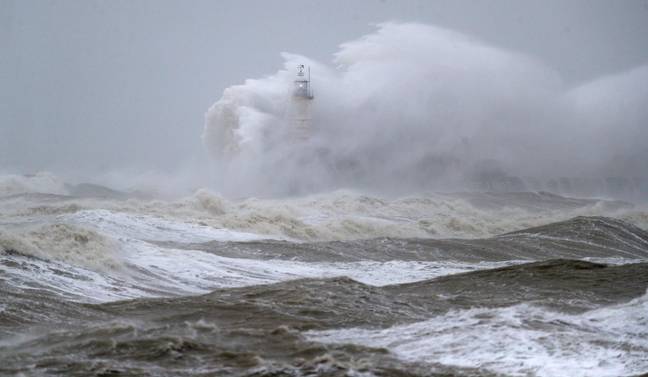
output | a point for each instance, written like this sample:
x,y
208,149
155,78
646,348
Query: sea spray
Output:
x,y
413,107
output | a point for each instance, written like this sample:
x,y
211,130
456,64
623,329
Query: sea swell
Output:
x,y
337,284
445,325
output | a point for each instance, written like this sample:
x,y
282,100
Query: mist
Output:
x,y
434,96
419,107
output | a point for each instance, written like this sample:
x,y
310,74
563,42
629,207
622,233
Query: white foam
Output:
x,y
147,227
62,242
201,271
337,215
68,281
347,215
146,269
114,238
522,340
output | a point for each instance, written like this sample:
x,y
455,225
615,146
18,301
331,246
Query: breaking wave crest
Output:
x,y
337,215
64,243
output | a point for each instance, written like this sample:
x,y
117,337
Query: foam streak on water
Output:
x,y
146,227
152,271
520,340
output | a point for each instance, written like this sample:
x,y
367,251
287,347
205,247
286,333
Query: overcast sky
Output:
x,y
101,85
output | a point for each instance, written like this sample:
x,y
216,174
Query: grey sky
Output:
x,y
100,85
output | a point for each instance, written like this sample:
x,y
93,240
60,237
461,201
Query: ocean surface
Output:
x,y
100,282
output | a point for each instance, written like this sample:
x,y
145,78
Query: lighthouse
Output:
x,y
300,104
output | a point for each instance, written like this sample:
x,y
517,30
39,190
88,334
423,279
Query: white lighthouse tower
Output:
x,y
300,106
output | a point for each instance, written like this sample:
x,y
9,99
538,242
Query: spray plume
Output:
x,y
414,107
